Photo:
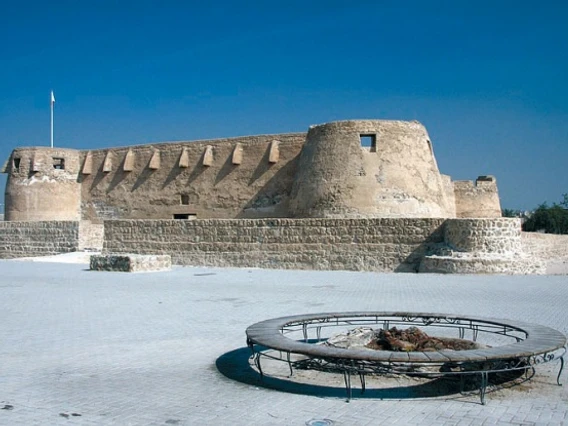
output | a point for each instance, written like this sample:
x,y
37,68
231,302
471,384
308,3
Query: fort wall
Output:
x,y
244,177
384,245
357,195
38,238
343,169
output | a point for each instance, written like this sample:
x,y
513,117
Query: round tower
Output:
x,y
43,185
369,168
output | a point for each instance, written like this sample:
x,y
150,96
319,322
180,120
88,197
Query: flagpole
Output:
x,y
52,102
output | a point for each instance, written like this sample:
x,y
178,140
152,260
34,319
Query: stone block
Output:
x,y
208,156
274,153
130,262
36,165
237,154
129,161
184,159
88,164
155,161
107,165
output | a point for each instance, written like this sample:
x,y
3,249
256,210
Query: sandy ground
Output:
x,y
557,267
74,257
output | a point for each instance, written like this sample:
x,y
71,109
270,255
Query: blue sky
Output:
x,y
489,79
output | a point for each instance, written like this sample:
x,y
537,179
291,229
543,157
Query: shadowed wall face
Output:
x,y
396,176
42,185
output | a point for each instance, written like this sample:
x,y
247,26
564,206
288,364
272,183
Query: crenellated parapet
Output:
x,y
247,176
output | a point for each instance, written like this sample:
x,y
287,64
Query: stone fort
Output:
x,y
359,194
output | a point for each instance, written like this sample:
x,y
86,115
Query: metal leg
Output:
x,y
474,332
289,364
362,378
347,379
257,363
250,344
483,387
560,372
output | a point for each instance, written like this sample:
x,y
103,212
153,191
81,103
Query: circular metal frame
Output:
x,y
531,345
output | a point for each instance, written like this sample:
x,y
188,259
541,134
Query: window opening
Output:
x,y
17,163
184,199
58,163
184,216
369,142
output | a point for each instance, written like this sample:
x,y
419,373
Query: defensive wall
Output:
x,y
231,178
345,169
44,238
384,245
349,244
38,238
356,195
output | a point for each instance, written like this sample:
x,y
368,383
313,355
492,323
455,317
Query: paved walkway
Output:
x,y
97,348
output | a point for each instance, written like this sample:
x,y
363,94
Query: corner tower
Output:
x,y
43,185
370,168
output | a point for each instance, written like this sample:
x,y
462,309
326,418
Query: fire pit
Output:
x,y
521,347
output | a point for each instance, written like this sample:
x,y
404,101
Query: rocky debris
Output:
x,y
357,338
130,262
404,340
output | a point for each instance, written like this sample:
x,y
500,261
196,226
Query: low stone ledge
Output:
x,y
130,262
521,265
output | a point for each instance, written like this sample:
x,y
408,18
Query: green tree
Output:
x,y
552,220
509,213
